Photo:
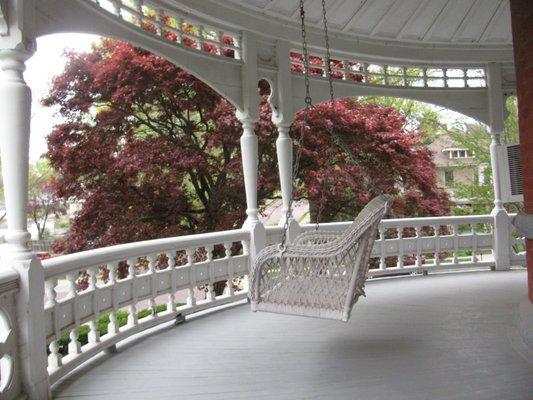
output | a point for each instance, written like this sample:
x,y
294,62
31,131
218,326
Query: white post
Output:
x,y
249,150
284,153
15,109
282,116
502,223
249,143
250,161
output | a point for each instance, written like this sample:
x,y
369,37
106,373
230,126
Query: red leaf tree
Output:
x,y
150,151
395,160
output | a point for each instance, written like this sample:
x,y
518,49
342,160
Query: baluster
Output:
x,y
404,76
153,284
55,358
201,37
159,22
246,252
345,70
211,295
425,76
132,316
436,234
365,73
191,300
399,263
181,23
74,346
465,77
50,292
220,47
418,247
139,9
386,75
230,290
445,75
237,45
94,333
171,306
474,242
382,263
117,8
113,327
455,231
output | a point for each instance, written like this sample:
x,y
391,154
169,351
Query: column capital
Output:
x,y
13,63
246,119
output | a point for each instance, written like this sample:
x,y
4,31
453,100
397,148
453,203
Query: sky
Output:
x,y
47,62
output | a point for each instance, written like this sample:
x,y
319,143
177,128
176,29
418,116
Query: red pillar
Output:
x,y
522,24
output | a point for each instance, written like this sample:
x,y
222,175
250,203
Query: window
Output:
x,y
448,177
459,153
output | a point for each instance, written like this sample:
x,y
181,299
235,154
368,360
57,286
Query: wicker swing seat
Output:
x,y
320,274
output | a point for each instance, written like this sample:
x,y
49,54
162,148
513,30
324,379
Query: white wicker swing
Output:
x,y
320,274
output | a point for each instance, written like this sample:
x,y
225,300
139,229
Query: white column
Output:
x,y
249,152
282,115
250,162
502,223
284,153
248,115
15,109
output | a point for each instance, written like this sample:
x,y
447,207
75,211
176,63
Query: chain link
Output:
x,y
330,164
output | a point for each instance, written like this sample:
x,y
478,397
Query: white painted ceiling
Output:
x,y
477,22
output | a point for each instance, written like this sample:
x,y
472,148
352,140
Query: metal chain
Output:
x,y
308,106
330,164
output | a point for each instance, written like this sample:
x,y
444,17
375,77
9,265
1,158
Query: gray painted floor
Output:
x,y
442,336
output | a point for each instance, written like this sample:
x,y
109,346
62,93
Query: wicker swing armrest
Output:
x,y
316,237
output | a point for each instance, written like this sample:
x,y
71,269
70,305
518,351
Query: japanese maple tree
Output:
x,y
150,151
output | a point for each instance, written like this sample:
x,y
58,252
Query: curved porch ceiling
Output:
x,y
426,31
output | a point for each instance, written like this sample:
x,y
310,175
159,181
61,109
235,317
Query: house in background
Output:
x,y
456,165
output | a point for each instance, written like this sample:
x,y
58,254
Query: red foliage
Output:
x,y
395,159
150,150
153,152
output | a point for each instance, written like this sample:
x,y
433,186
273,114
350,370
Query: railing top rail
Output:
x,y
8,280
71,262
419,221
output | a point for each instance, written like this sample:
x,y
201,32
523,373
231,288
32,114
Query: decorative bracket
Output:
x,y
4,28
524,224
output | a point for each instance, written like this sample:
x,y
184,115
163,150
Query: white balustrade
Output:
x,y
407,76
419,245
155,18
134,286
83,288
10,385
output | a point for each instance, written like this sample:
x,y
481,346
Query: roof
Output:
x,y
427,30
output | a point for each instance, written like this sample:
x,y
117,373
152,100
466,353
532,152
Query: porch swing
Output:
x,y
319,274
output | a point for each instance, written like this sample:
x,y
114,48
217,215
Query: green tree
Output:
x,y
419,116
476,139
42,203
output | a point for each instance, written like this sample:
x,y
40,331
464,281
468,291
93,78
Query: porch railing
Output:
x,y
411,245
135,286
97,298
9,362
